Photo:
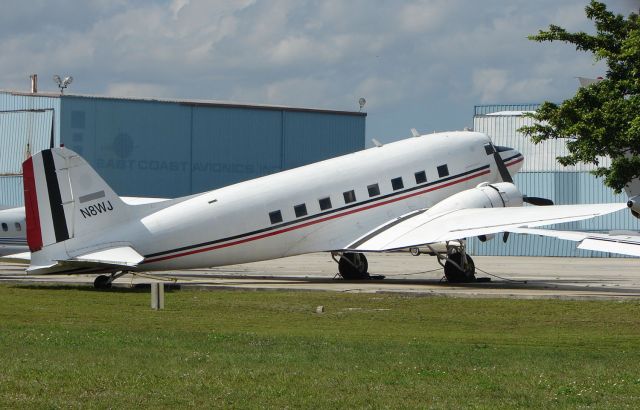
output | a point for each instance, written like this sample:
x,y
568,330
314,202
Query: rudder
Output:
x,y
65,198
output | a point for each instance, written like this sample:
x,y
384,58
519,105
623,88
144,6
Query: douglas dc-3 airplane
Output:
x,y
425,190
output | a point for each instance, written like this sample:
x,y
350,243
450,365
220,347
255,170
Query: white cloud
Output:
x,y
489,84
139,89
446,55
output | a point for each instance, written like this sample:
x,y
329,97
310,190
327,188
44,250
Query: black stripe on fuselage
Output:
x,y
322,214
55,199
384,228
511,157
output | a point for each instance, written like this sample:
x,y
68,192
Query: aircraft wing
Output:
x,y
624,243
420,227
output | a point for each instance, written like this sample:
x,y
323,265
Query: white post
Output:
x,y
157,295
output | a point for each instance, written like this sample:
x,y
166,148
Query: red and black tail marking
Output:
x,y
34,232
55,199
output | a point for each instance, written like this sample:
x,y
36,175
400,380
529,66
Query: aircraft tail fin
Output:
x,y
65,198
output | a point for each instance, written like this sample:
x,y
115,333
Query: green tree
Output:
x,y
602,119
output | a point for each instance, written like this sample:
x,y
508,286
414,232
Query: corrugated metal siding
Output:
x,y
153,148
313,137
139,148
503,130
22,133
11,192
232,145
13,102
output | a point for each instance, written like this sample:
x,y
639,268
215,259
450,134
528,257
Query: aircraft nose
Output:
x,y
511,158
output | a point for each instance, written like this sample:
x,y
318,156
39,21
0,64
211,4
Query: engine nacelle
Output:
x,y
634,205
485,195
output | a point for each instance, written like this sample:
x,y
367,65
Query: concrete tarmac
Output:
x,y
511,277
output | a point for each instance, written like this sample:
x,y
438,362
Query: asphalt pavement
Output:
x,y
512,277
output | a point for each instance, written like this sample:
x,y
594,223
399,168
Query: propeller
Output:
x,y
502,168
535,200
506,177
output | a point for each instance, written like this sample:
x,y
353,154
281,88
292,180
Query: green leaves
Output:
x,y
602,119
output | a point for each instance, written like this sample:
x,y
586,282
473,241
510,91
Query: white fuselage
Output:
x,y
256,220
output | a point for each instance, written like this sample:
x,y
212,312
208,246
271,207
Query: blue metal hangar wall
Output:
x,y
541,175
169,148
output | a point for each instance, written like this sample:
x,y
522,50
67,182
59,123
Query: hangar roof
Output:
x,y
190,102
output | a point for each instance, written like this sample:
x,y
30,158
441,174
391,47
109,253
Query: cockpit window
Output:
x,y
502,149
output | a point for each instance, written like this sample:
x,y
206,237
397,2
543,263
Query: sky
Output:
x,y
420,64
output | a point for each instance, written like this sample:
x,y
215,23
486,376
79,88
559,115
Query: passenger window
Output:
x,y
421,177
275,217
5,227
325,203
300,210
443,170
349,196
18,227
396,183
374,190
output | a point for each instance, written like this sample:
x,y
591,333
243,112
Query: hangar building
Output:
x,y
541,175
169,148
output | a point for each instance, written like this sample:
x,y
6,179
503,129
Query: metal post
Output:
x,y
157,295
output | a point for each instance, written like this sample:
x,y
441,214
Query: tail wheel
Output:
x,y
353,266
454,274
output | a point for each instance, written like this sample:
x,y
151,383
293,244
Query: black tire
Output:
x,y
350,272
455,275
102,282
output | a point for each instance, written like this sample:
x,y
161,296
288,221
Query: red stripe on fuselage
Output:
x,y
519,159
320,220
32,213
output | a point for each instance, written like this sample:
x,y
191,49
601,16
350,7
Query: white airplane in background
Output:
x,y
12,231
420,191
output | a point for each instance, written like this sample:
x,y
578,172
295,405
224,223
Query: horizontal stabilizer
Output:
x,y
121,256
111,259
420,228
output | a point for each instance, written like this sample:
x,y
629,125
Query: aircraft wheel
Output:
x,y
353,266
455,275
102,282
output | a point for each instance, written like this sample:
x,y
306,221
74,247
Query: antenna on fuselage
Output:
x,y
415,132
377,143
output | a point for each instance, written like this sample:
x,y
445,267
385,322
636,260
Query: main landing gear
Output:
x,y
458,265
459,268
352,266
103,282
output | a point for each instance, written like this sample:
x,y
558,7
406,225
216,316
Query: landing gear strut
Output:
x,y
103,282
353,266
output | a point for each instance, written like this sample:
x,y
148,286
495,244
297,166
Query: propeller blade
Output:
x,y
502,168
505,236
534,200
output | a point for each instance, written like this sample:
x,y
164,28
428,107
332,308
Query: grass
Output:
x,y
75,347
